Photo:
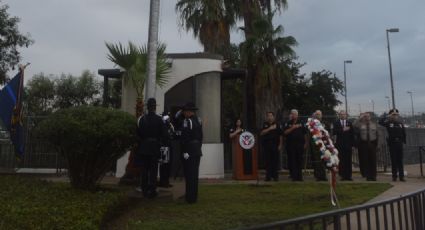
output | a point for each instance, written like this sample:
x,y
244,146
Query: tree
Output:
x,y
75,91
10,41
40,95
264,54
210,21
45,94
262,50
133,60
320,91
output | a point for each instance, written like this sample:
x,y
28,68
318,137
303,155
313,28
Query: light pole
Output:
x,y
345,84
411,100
392,30
388,99
373,106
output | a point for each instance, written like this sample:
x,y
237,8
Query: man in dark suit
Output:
x,y
343,129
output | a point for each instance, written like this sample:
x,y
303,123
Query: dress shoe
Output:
x,y
402,179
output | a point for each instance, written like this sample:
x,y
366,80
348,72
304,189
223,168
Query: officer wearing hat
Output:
x,y
396,138
151,131
191,143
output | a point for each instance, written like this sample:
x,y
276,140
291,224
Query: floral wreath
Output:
x,y
329,154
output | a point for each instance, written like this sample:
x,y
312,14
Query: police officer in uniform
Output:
x,y
367,132
295,133
151,131
396,138
191,143
272,141
344,132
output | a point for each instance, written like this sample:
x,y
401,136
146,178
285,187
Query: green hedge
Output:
x,y
30,203
91,138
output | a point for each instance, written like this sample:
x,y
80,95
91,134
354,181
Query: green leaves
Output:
x,y
92,139
134,59
10,42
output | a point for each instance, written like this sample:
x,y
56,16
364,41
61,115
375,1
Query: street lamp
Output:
x,y
411,100
345,84
388,99
373,106
392,30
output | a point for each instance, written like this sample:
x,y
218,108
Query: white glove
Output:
x,y
186,156
165,118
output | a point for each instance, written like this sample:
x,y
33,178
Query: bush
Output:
x,y
91,139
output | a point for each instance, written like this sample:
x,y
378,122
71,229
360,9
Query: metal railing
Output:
x,y
38,155
404,212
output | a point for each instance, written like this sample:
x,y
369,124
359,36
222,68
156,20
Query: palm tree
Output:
x,y
210,21
264,54
133,60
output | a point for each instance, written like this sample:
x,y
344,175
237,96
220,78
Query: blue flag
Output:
x,y
11,111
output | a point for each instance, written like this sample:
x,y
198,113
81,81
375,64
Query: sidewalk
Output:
x,y
414,182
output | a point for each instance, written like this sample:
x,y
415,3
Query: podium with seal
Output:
x,y
244,149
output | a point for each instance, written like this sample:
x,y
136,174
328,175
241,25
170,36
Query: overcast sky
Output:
x,y
69,37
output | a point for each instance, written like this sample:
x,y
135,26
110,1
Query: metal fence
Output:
x,y
405,212
39,154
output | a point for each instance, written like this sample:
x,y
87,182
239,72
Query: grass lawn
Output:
x,y
237,205
29,203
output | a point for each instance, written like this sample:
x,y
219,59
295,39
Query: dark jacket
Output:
x,y
344,139
151,131
396,131
191,136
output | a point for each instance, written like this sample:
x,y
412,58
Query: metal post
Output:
x,y
345,89
391,69
345,85
388,100
152,48
411,100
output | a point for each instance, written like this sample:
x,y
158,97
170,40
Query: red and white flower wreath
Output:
x,y
329,154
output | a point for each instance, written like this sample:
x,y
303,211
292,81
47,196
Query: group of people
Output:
x,y
154,148
362,134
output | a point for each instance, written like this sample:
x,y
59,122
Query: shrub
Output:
x,y
91,139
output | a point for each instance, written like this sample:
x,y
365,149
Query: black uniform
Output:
x,y
270,144
396,138
165,167
295,141
191,143
344,144
151,131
